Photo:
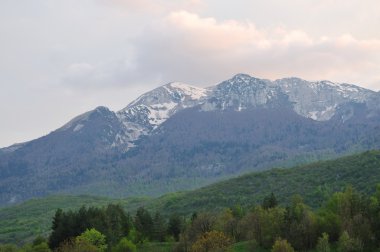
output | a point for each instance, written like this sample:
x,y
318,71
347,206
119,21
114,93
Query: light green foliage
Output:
x,y
352,211
228,223
8,248
301,225
77,246
42,247
348,244
282,246
263,225
323,243
93,237
124,245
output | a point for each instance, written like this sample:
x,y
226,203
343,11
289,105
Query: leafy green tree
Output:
x,y
38,240
124,245
345,243
228,223
41,247
93,237
211,241
329,222
237,211
300,225
117,224
323,244
348,244
282,246
73,245
263,225
204,223
8,248
374,208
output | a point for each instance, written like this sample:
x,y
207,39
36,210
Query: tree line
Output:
x,y
347,221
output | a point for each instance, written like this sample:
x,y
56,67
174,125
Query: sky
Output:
x,y
60,58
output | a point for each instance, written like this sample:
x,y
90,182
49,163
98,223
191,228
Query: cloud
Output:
x,y
188,47
154,7
183,46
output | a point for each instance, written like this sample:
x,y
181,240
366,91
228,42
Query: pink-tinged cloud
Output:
x,y
203,50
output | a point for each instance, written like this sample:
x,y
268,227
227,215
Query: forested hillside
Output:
x,y
348,221
314,183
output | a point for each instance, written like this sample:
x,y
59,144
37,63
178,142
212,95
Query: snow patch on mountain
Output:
x,y
78,127
159,113
151,109
194,93
239,93
76,121
319,100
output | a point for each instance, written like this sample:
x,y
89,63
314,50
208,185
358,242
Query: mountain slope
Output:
x,y
179,137
63,159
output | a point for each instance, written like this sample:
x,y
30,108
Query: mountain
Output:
x,y
314,182
178,137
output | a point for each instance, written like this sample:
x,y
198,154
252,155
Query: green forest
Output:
x,y
325,206
347,221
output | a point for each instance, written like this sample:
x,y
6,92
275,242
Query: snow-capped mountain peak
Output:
x,y
194,93
317,100
153,108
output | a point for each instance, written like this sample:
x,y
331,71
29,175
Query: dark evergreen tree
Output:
x,y
143,224
175,226
159,228
269,201
57,235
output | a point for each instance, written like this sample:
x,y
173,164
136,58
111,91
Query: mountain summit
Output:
x,y
179,136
